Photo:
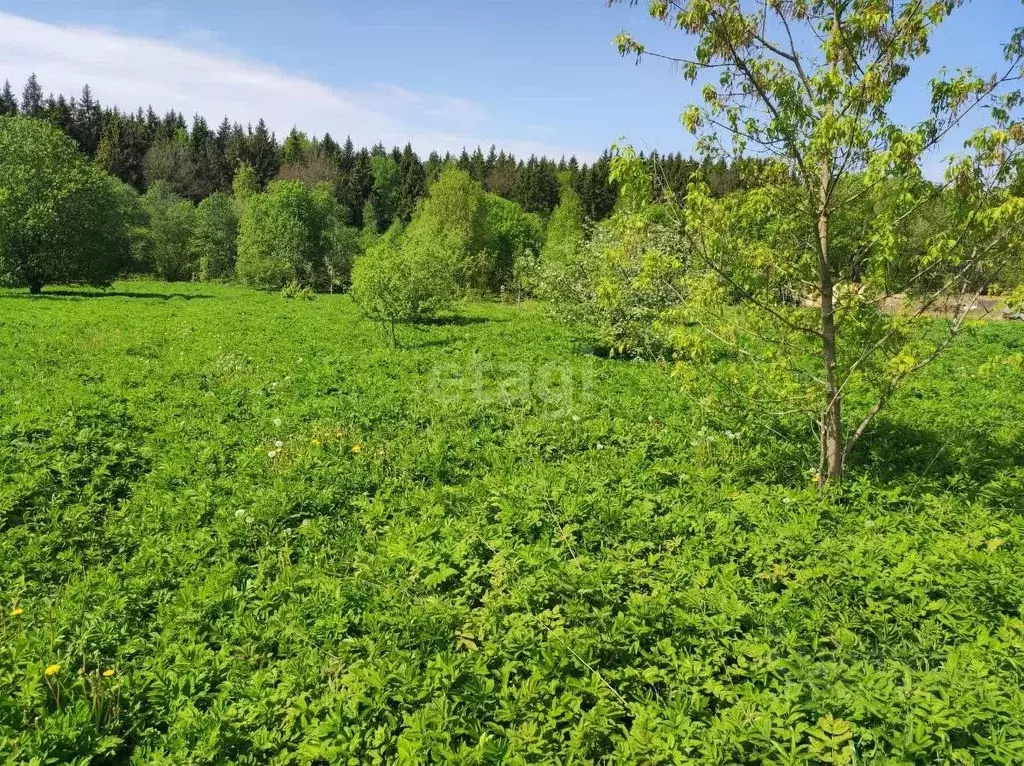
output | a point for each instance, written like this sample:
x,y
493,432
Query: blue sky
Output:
x,y
533,75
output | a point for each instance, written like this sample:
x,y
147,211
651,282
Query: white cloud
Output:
x,y
130,71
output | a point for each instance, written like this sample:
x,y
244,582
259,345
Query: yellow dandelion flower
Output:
x,y
16,611
357,448
108,672
51,670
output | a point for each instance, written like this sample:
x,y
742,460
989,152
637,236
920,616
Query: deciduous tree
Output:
x,y
61,218
810,84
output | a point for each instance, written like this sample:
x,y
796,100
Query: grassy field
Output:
x,y
237,528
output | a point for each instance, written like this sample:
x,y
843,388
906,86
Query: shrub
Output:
x,y
61,219
213,242
170,229
284,236
393,285
510,234
623,286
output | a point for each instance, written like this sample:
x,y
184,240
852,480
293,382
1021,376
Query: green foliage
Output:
x,y
387,189
483,548
293,291
624,285
561,270
395,284
449,230
511,234
170,220
61,219
214,236
285,236
245,184
812,88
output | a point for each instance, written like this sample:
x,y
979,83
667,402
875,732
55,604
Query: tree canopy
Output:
x,y
61,218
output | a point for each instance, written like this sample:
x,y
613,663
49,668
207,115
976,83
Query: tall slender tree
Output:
x,y
8,103
32,97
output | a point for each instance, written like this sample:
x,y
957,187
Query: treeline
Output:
x,y
195,159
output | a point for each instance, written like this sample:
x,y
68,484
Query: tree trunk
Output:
x,y
35,287
831,436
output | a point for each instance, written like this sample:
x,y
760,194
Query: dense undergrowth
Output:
x,y
236,528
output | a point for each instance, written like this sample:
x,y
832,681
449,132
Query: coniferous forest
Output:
x,y
198,157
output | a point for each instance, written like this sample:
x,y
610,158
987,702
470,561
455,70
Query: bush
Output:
x,y
449,230
510,234
170,229
393,285
284,236
61,218
622,287
213,242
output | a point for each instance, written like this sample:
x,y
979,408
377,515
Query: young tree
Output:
x,y
170,229
283,237
61,219
810,84
511,234
449,229
395,285
212,243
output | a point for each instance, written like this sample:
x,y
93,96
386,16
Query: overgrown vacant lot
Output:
x,y
236,528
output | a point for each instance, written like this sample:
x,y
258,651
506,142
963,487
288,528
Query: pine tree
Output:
x,y
59,113
221,143
330,148
32,97
348,156
202,152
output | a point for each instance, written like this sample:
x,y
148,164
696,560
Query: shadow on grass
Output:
x,y
456,321
896,452
82,294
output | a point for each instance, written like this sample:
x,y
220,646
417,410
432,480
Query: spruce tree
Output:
x,y
32,97
87,122
414,184
8,104
262,153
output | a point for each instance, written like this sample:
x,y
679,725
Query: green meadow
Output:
x,y
236,528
